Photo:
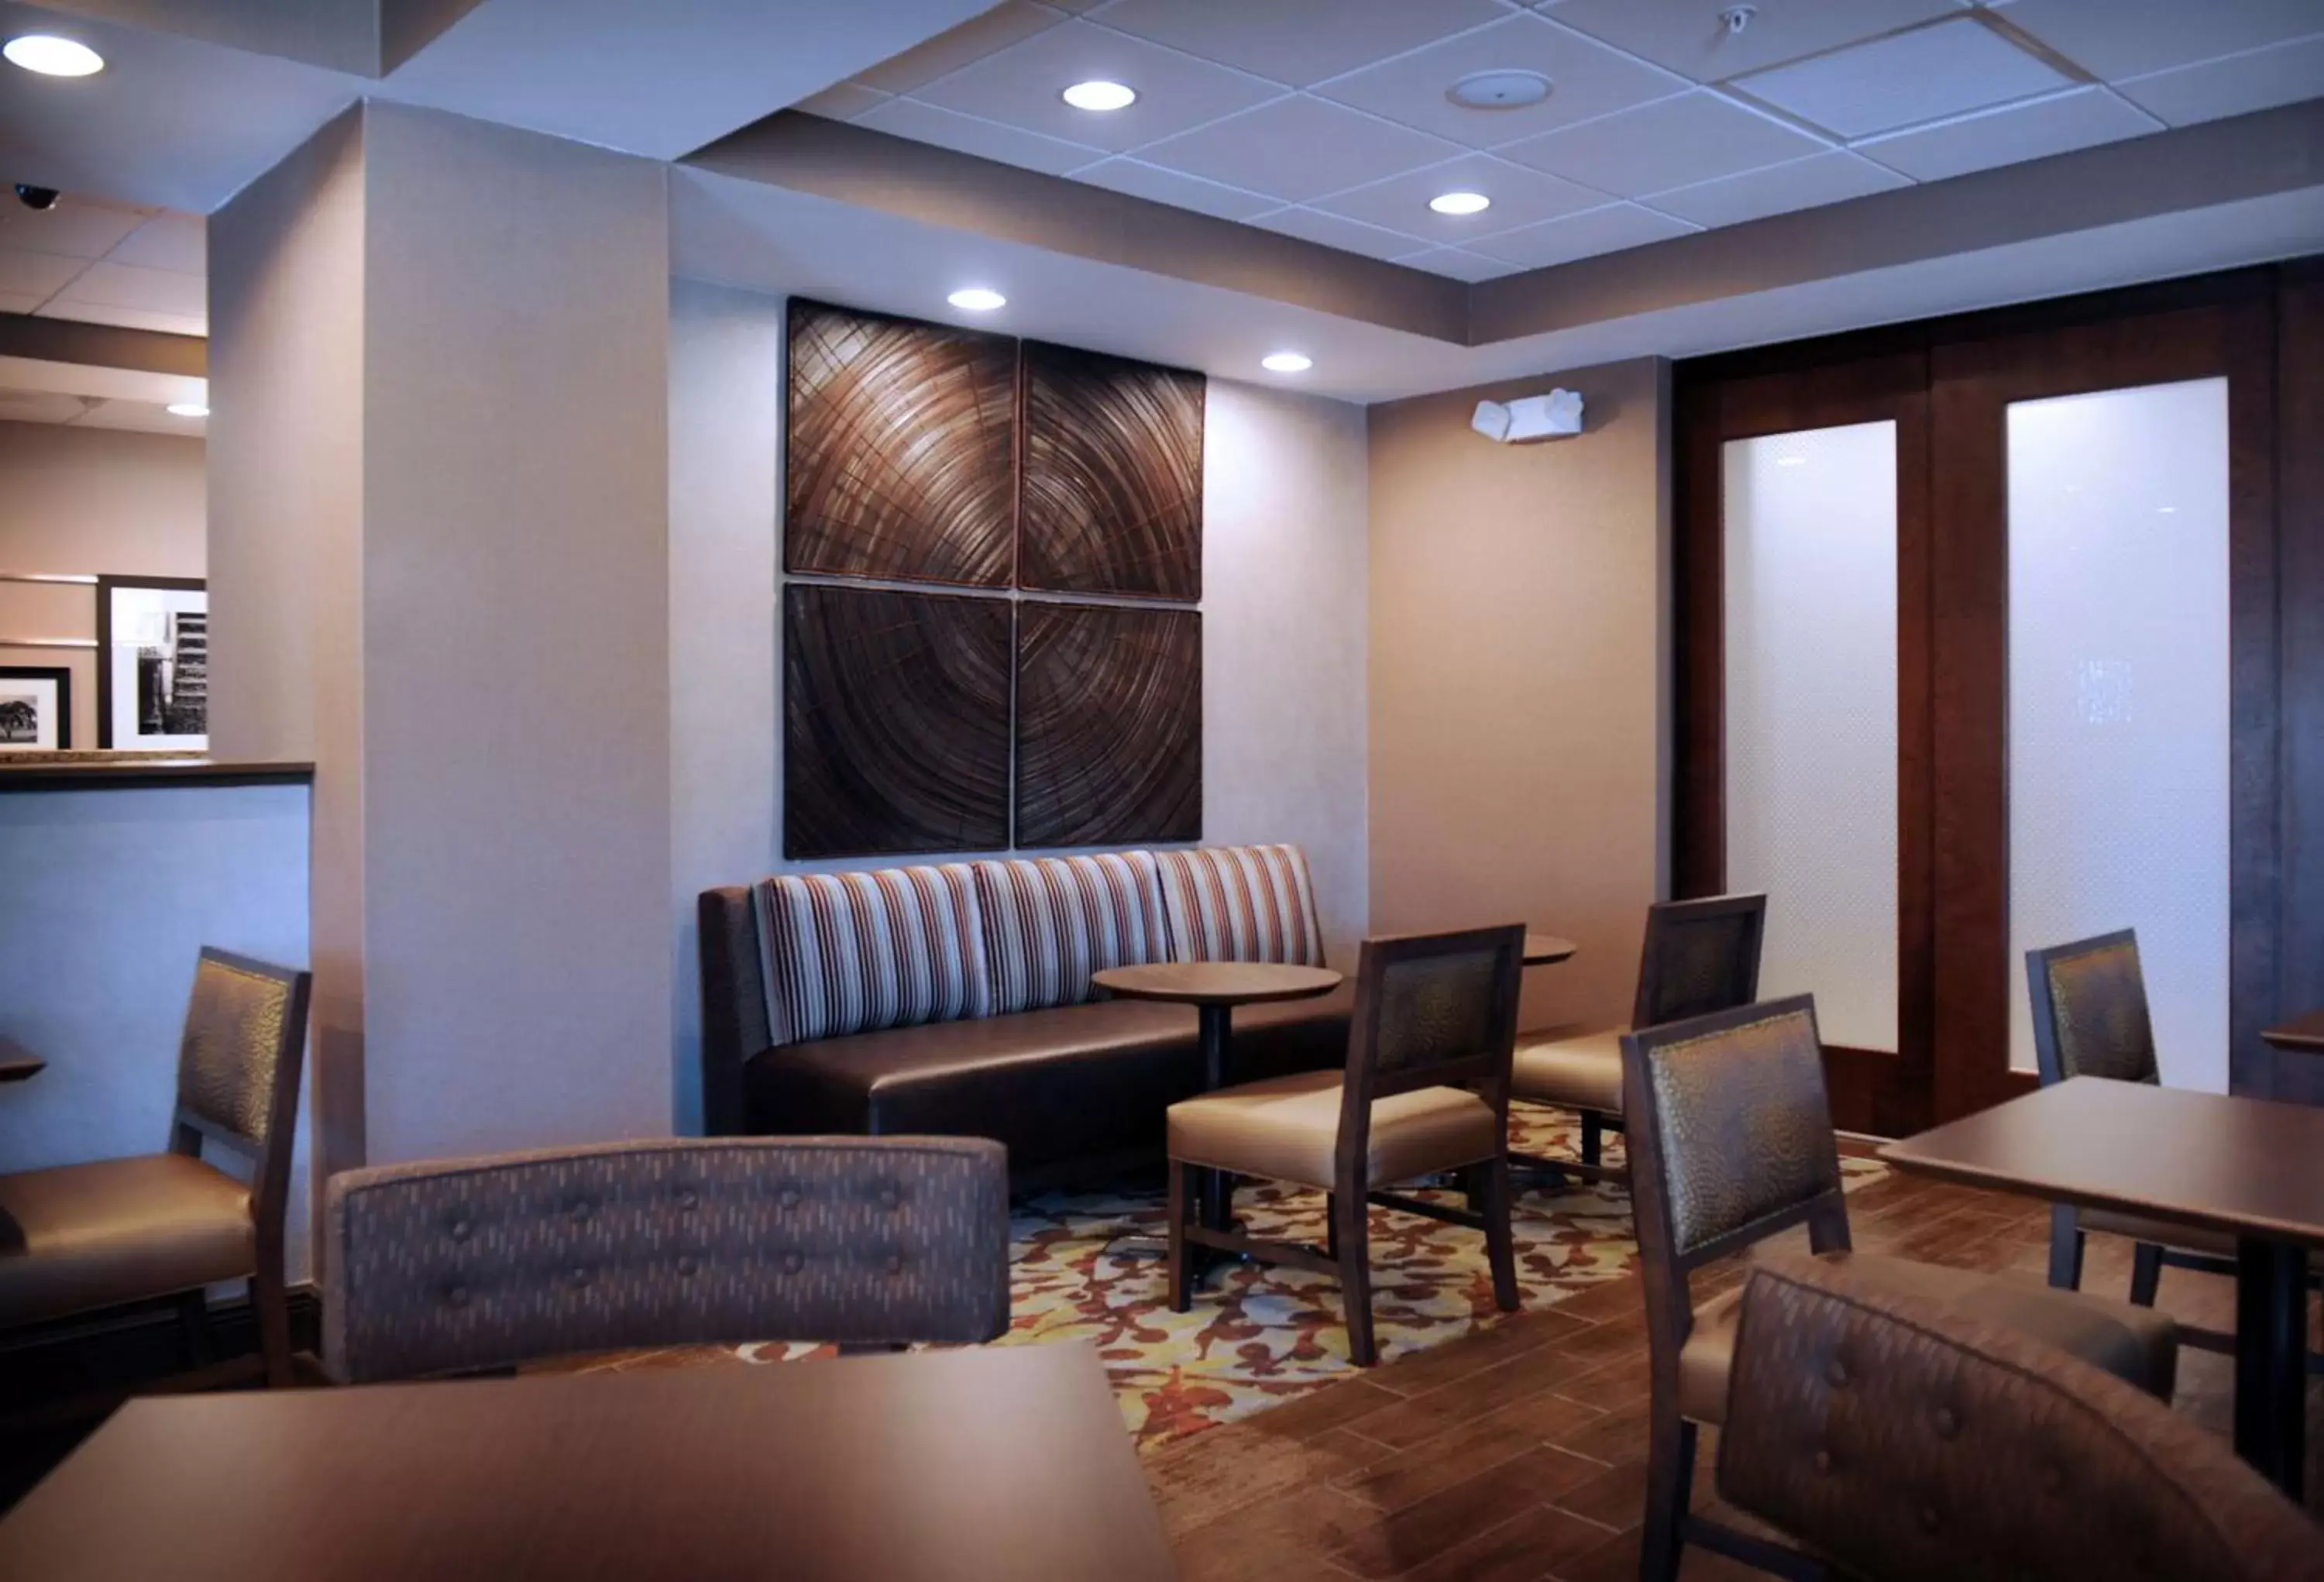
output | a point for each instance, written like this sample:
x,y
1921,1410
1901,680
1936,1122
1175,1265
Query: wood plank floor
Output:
x,y
1518,1454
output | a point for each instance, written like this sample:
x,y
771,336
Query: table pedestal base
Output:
x,y
2271,1361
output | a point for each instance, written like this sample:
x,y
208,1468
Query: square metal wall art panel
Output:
x,y
900,449
1109,725
1113,477
896,722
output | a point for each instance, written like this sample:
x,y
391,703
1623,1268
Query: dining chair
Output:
x,y
2090,1020
1903,1441
467,1264
1732,1142
1698,957
162,1228
1426,1090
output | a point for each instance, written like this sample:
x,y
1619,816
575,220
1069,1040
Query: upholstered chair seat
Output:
x,y
164,1227
2132,1343
1287,1129
84,1236
1698,957
1573,1068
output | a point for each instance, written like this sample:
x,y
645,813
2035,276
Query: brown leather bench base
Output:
x,y
1072,1083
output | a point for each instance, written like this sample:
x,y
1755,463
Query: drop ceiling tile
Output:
x,y
1458,264
1697,136
147,290
1686,36
1583,236
2257,79
1348,236
985,139
20,301
144,416
1152,181
1297,42
1299,148
1907,78
167,241
1019,87
2082,118
40,275
843,101
40,406
1808,183
1520,197
76,227
1586,78
128,318
948,52
2129,38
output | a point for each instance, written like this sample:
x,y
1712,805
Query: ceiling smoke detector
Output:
x,y
1499,90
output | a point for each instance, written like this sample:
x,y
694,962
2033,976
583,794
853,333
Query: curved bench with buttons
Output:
x,y
955,999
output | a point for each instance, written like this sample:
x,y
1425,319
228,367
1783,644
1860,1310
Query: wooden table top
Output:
x,y
2244,1166
17,1063
1000,1464
2305,1033
1217,982
1548,949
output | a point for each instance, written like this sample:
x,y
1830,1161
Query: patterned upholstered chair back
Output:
x,y
2090,1011
245,1026
471,1263
1699,957
1909,1444
1730,1117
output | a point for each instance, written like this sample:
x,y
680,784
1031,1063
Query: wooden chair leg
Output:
x,y
271,1303
194,1327
1670,1491
2145,1274
1593,1138
2065,1248
1500,1243
1351,1217
1182,1271
1332,1225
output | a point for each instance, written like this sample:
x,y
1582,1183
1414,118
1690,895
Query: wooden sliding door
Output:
x,y
2087,677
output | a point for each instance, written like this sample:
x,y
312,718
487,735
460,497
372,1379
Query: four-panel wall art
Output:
x,y
994,552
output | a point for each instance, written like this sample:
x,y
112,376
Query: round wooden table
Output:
x,y
1548,949
1214,988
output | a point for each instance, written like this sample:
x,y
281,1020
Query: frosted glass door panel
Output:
x,y
2118,700
1810,553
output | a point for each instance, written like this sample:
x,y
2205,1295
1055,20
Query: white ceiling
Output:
x,y
36,392
1328,119
105,262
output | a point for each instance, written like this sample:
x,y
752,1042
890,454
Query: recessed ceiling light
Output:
x,y
1286,362
1459,203
977,299
1498,91
51,56
188,409
1100,95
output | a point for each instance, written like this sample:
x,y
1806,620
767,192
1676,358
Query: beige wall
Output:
x,y
460,333
1518,755
1284,579
100,501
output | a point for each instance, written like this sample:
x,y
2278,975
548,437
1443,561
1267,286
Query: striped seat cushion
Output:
x,y
1241,903
856,952
1049,922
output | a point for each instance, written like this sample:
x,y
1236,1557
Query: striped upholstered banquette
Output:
x,y
846,1002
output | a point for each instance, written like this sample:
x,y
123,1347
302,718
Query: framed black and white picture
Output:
x,y
153,663
35,709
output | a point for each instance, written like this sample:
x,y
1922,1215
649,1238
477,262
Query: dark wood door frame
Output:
x,y
1947,384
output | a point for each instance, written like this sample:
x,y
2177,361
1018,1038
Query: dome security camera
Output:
x,y
31,197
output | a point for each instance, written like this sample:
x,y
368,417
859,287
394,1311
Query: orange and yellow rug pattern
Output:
x,y
1258,1336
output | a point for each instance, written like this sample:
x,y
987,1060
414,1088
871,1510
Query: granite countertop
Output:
x,y
72,770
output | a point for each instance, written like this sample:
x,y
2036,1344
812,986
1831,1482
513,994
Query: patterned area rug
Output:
x,y
1260,1336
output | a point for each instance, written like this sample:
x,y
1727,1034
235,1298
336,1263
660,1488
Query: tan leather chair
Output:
x,y
2090,1020
1698,957
460,1264
1903,1441
80,1238
1732,1142
1426,1089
